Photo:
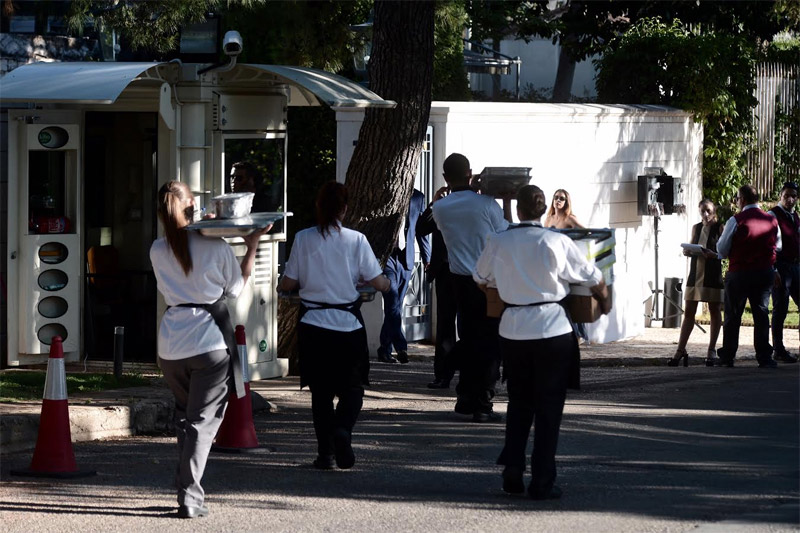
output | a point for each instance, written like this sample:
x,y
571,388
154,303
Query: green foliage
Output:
x,y
310,34
311,161
145,25
17,385
710,75
449,76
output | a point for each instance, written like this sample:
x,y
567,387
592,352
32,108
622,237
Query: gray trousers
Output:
x,y
201,387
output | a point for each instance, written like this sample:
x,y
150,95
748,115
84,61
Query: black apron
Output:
x,y
222,318
309,373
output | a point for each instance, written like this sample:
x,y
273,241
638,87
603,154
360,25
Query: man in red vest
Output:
x,y
788,266
749,241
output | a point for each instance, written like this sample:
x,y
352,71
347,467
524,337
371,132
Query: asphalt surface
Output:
x,y
644,448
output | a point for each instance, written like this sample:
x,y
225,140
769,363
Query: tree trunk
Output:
x,y
381,173
385,160
562,88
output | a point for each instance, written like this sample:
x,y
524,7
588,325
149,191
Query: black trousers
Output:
x,y
537,373
446,312
477,350
740,287
334,364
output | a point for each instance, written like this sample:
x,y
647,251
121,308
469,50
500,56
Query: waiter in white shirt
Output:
x,y
326,264
466,219
532,268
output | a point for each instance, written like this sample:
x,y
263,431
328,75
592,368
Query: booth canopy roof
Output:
x,y
102,83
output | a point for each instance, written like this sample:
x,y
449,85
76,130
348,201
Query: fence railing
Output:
x,y
777,90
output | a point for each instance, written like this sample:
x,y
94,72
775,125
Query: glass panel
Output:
x,y
48,331
53,307
53,253
53,280
47,192
257,165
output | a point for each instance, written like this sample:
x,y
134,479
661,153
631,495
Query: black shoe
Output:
x,y
464,407
402,356
439,383
324,462
386,357
784,357
553,494
680,355
343,449
512,480
187,511
724,362
485,417
767,363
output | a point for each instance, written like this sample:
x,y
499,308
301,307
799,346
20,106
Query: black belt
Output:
x,y
222,318
354,308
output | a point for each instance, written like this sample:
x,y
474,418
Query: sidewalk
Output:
x,y
148,410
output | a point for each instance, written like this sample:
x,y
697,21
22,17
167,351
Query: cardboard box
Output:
x,y
584,309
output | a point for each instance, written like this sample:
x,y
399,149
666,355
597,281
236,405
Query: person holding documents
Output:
x,y
704,283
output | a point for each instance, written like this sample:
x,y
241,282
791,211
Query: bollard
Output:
x,y
119,348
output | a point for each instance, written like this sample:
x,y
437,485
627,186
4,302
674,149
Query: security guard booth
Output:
x,y
89,145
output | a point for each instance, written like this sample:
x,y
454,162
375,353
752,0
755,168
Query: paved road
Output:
x,y
642,449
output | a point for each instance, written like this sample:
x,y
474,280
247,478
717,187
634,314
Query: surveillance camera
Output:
x,y
232,43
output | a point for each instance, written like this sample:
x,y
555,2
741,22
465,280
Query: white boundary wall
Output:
x,y
593,151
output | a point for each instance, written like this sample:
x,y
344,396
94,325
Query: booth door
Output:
x,y
119,227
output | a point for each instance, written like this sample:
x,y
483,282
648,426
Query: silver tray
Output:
x,y
367,294
236,227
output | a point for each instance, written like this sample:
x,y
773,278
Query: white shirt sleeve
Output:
x,y
483,272
292,269
726,240
498,222
231,271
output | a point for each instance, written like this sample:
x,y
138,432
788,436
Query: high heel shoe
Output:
x,y
711,357
676,359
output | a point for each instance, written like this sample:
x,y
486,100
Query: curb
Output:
x,y
19,431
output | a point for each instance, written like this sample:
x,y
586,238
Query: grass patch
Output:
x,y
23,385
791,322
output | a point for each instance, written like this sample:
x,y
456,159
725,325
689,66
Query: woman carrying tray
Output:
x,y
326,264
196,348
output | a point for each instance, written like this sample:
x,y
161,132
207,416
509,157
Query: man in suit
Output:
x,y
439,271
788,267
749,242
398,269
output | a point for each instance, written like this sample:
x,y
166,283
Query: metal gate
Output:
x,y
416,306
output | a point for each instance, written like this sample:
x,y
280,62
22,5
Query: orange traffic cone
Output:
x,y
237,433
53,456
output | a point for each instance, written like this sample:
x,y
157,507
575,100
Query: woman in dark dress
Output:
x,y
704,284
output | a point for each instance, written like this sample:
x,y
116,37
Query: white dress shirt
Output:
x,y
328,269
189,331
532,264
466,219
